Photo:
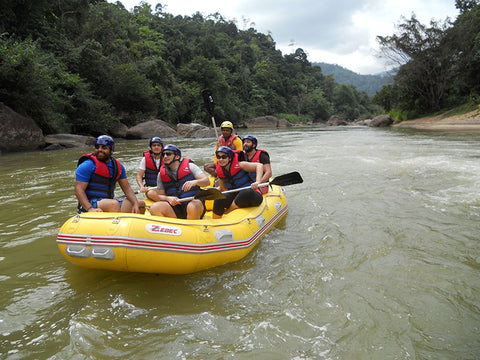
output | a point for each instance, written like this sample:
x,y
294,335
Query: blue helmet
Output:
x,y
105,140
155,139
173,148
226,150
252,138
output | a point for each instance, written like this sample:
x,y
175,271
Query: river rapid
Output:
x,y
378,258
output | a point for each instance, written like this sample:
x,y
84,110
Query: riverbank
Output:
x,y
459,122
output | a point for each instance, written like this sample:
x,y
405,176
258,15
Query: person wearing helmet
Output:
x,y
178,179
228,138
234,174
95,179
150,165
252,154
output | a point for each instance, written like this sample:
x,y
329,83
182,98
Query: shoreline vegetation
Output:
x,y
446,121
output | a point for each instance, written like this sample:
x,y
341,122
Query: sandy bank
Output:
x,y
468,121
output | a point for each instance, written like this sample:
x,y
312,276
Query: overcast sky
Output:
x,y
339,32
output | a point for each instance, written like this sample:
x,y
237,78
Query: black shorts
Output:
x,y
181,210
243,199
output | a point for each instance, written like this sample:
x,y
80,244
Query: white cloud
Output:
x,y
341,32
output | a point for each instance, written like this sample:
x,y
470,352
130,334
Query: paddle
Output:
x,y
282,180
209,104
205,194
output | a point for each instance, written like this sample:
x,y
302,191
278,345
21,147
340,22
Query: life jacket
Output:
x,y
174,188
151,169
256,158
235,178
228,142
101,184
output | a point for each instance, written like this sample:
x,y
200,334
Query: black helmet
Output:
x,y
155,139
226,150
105,140
252,138
173,148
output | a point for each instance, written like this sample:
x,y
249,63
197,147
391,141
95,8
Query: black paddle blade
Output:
x,y
208,98
209,194
287,179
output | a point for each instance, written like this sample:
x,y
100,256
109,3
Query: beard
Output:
x,y
248,148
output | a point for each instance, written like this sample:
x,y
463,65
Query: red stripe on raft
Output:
x,y
91,240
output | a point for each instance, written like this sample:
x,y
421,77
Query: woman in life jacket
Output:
x,y
234,174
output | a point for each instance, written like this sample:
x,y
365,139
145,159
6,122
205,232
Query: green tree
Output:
x,y
463,40
131,91
385,98
27,82
424,77
345,102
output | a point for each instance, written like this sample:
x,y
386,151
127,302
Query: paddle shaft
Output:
x,y
282,180
244,188
214,127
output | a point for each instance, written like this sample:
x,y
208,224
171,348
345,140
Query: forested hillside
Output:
x,y
84,66
371,84
439,64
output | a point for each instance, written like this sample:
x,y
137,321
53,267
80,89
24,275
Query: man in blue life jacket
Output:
x,y
150,166
252,154
178,179
96,176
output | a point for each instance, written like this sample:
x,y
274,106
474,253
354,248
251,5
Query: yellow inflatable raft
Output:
x,y
152,244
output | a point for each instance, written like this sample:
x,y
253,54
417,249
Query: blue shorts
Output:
x,y
94,203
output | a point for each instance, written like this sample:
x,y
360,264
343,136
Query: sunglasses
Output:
x,y
222,156
166,153
103,147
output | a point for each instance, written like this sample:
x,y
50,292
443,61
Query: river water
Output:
x,y
378,258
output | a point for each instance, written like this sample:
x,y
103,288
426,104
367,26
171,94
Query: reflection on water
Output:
x,y
378,258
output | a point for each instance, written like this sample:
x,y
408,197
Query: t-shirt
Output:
x,y
194,169
87,168
264,158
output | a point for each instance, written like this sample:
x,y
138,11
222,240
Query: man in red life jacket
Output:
x,y
150,166
178,179
229,139
252,154
96,176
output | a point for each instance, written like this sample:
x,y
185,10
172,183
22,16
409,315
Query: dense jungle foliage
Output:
x,y
438,65
84,66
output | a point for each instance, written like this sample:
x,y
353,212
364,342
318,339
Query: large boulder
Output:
x,y
336,120
384,120
284,123
18,132
194,130
148,129
63,141
120,131
266,122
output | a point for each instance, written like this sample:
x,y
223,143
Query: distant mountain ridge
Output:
x,y
368,83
